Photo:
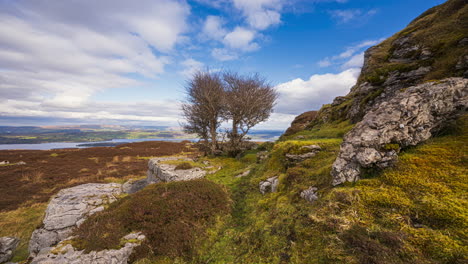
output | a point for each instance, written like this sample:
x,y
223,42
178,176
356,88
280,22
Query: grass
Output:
x,y
415,212
21,223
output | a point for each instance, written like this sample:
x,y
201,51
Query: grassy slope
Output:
x,y
415,212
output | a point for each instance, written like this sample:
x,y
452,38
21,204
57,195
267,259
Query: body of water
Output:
x,y
62,145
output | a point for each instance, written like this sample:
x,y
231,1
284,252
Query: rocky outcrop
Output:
x,y
68,209
409,118
312,150
310,194
161,172
270,185
64,252
7,246
300,122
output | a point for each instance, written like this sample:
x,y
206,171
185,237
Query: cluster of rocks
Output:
x,y
69,209
410,117
312,150
162,172
7,246
64,252
269,185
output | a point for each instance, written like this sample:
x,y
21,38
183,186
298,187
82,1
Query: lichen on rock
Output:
x,y
409,118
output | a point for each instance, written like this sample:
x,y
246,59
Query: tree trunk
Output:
x,y
214,139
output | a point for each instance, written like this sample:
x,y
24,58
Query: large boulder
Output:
x,y
64,252
68,209
409,118
158,171
7,246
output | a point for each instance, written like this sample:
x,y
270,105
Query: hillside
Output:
x,y
378,176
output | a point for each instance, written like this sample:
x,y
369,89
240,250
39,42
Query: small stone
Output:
x,y
310,194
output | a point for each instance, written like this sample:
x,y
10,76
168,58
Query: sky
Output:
x,y
65,62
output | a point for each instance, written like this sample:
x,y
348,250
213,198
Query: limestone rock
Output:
x,y
68,209
133,186
409,118
7,246
270,185
310,194
243,174
160,172
64,252
312,151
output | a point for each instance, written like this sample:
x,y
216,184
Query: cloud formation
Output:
x,y
55,55
298,95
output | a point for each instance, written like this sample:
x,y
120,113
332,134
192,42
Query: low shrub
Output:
x,y
183,166
172,216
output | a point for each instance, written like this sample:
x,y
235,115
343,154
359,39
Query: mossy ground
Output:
x,y
413,213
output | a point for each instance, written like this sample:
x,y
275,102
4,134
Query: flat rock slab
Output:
x,y
161,172
65,253
68,209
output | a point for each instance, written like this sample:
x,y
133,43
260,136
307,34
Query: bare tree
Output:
x,y
250,100
204,106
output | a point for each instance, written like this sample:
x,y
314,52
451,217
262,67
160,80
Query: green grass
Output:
x,y
413,213
327,130
21,223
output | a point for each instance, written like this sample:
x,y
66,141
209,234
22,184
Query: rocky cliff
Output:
x,y
388,113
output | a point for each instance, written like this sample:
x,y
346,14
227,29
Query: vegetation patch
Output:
x,y
172,216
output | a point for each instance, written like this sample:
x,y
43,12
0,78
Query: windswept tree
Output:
x,y
250,100
204,106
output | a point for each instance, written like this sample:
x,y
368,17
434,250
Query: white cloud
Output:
x,y
191,66
213,28
354,62
242,39
300,95
56,55
352,57
260,14
347,15
92,112
223,54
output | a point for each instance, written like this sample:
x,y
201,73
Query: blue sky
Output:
x,y
126,62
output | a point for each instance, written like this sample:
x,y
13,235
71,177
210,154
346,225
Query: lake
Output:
x,y
62,145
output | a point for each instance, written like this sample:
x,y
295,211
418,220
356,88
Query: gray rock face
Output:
x,y
312,151
310,194
160,172
68,209
7,246
64,252
133,186
270,185
409,118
